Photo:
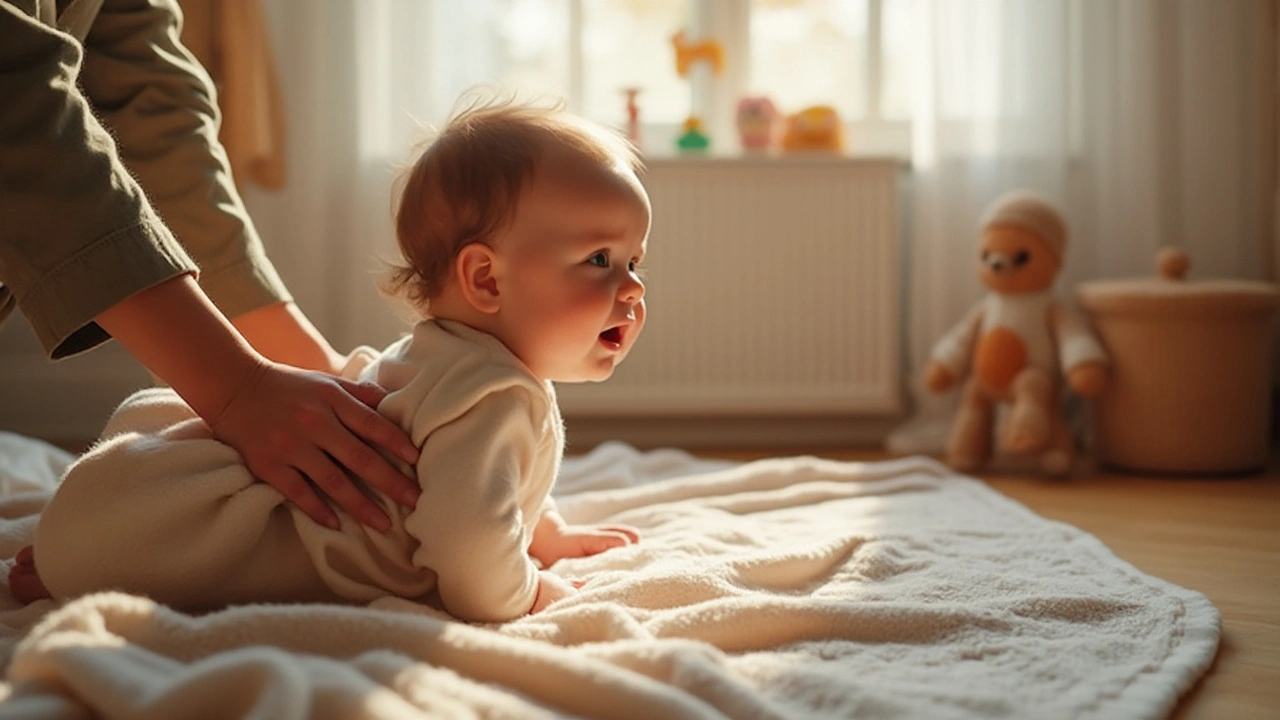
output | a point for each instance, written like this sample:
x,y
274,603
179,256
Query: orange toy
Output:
x,y
688,53
814,128
1014,343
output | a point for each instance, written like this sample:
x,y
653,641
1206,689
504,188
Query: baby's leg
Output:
x,y
175,516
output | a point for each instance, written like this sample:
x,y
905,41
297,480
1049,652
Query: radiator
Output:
x,y
772,289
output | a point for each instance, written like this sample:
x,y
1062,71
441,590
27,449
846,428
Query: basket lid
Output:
x,y
1169,293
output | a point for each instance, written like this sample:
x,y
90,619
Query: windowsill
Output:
x,y
883,142
769,158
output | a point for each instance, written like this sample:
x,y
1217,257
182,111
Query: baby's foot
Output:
x,y
24,582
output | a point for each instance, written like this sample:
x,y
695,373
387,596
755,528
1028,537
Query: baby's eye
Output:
x,y
600,259
1021,258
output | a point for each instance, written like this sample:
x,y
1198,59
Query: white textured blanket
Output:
x,y
787,588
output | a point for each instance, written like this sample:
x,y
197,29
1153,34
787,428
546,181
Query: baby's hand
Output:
x,y
556,542
551,587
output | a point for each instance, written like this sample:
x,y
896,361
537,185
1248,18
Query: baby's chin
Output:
x,y
594,374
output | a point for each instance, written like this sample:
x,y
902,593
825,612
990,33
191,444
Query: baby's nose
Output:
x,y
631,290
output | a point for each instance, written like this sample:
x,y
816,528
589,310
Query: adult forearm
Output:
x,y
175,331
284,334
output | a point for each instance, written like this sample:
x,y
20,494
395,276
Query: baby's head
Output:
x,y
528,223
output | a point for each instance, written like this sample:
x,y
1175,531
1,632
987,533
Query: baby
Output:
x,y
521,231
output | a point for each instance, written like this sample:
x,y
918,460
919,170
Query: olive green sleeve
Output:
x,y
76,232
161,107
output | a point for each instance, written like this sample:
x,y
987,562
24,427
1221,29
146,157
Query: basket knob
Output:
x,y
1172,263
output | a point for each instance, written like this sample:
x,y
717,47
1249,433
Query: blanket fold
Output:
x,y
791,587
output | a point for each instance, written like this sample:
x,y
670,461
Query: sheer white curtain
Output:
x,y
1146,121
362,80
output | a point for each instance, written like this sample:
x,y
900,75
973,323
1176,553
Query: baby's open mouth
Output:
x,y
612,337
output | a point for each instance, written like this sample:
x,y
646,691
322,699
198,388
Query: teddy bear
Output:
x,y
1013,347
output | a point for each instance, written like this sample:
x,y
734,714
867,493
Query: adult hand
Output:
x,y
292,425
289,425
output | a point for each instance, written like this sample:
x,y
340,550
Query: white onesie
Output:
x,y
162,509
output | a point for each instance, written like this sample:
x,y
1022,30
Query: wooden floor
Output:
x,y
1219,536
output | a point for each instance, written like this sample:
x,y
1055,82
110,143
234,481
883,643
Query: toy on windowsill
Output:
x,y
1011,345
816,128
705,50
691,58
757,123
633,116
693,140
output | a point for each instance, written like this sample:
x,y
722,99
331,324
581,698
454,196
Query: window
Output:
x,y
850,54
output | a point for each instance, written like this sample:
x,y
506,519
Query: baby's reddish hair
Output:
x,y
465,185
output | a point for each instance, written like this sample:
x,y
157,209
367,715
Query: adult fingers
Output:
x,y
335,483
364,461
366,392
294,487
364,421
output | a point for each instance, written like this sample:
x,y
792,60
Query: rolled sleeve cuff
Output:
x,y
63,304
244,287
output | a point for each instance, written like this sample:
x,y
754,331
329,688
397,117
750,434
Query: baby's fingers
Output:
x,y
631,534
602,541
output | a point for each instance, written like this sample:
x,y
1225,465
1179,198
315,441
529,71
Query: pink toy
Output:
x,y
757,121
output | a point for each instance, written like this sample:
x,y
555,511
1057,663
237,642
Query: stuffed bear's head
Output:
x,y
1023,239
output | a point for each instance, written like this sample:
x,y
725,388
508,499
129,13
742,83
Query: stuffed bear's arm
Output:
x,y
1079,352
953,352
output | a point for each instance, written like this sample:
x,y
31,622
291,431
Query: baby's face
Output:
x,y
573,300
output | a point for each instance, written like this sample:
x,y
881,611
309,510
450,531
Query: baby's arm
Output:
x,y
554,539
469,522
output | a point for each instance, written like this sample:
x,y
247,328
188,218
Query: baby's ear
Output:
x,y
476,274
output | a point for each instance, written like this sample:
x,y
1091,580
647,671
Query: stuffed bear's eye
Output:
x,y
1022,258
985,254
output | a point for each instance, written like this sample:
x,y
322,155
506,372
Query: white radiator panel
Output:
x,y
772,288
